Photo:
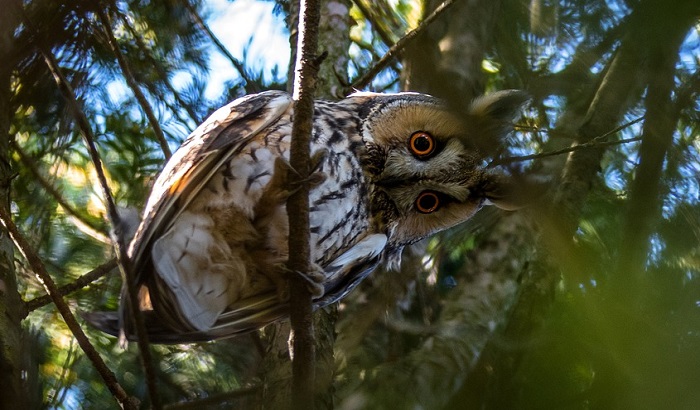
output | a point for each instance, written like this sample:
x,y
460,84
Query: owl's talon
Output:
x,y
314,280
316,178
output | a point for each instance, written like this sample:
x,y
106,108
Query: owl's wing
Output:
x,y
199,157
249,314
347,270
186,173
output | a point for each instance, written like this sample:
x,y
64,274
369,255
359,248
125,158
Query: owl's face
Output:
x,y
424,166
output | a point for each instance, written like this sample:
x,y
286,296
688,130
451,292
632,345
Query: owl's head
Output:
x,y
426,163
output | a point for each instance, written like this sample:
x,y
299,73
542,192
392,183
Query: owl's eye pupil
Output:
x,y
421,144
427,202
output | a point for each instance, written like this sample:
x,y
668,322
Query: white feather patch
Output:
x,y
182,258
369,247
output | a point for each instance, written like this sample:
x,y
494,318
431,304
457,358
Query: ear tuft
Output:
x,y
491,118
501,106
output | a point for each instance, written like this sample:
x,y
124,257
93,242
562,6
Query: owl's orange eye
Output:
x,y
421,144
427,202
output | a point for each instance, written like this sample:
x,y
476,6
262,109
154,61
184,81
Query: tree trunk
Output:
x,y
13,392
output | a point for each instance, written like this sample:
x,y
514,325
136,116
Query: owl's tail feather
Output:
x,y
242,317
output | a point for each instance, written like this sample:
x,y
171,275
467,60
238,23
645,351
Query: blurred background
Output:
x,y
586,298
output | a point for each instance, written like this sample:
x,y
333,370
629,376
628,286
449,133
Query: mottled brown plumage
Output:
x,y
391,169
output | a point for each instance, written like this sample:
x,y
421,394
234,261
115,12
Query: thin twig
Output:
x,y
367,12
157,66
203,26
397,48
77,284
45,279
120,248
57,386
587,145
596,142
133,84
51,190
301,313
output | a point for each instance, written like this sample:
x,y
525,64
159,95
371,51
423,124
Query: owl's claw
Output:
x,y
279,188
283,168
314,279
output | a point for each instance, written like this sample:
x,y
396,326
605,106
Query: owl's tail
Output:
x,y
243,317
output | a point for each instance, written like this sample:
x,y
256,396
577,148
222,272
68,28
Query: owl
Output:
x,y
388,170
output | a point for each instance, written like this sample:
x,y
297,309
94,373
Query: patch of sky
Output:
x,y
690,51
656,251
365,49
250,28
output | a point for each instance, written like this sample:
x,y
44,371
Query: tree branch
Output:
x,y
596,142
45,279
131,81
645,201
372,18
158,68
397,48
301,314
234,61
77,284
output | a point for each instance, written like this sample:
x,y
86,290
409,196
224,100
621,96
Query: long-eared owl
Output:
x,y
389,170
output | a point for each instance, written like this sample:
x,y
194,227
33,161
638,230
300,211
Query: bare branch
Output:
x,y
301,314
596,142
79,283
131,81
397,48
45,279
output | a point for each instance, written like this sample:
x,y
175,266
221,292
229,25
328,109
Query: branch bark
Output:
x,y
301,314
79,283
365,79
276,369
